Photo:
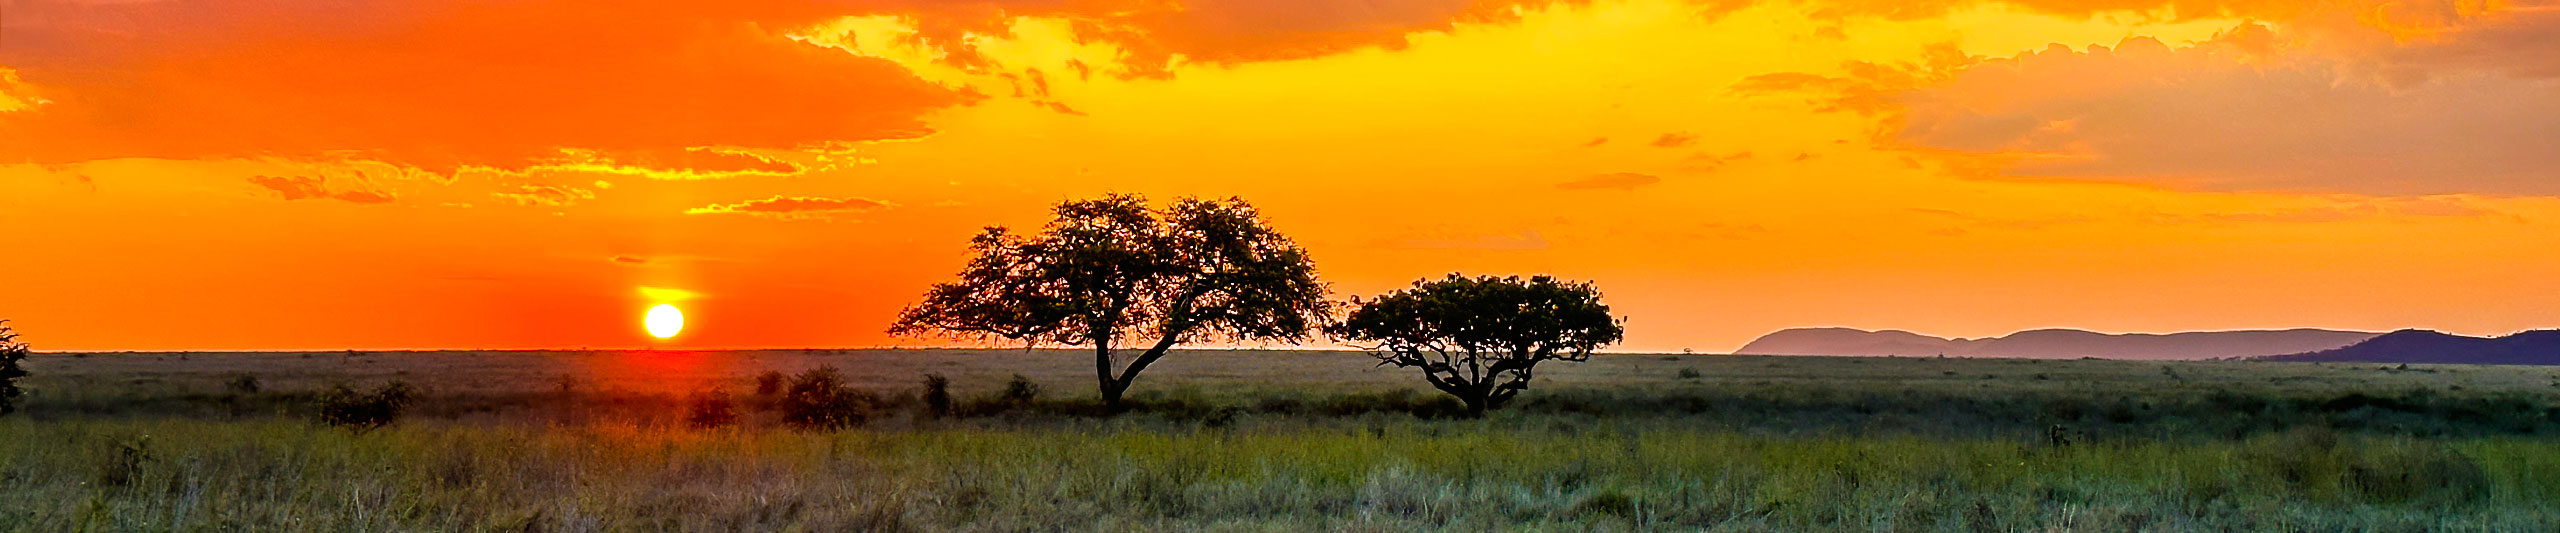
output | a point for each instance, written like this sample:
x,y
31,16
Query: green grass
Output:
x,y
1289,441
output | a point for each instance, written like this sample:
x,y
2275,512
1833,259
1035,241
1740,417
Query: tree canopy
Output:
x,y
1109,269
13,358
1480,339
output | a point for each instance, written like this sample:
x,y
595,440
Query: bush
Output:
x,y
344,407
937,396
243,384
13,357
769,383
710,410
1690,373
818,399
1020,391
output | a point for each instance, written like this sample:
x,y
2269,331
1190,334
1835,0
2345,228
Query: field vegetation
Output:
x,y
1265,440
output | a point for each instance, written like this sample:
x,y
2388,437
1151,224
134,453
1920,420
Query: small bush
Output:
x,y
344,407
710,410
243,384
769,383
819,399
1690,373
1020,391
937,396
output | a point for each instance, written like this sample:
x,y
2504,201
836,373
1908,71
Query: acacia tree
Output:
x,y
13,358
1480,339
1110,269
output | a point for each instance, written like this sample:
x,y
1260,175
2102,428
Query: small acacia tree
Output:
x,y
1480,339
1108,270
13,360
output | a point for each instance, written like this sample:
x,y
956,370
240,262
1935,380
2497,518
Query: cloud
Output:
x,y
545,195
2216,117
1154,35
440,85
793,207
1674,140
312,188
1624,181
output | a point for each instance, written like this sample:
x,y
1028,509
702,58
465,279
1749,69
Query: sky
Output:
x,y
388,174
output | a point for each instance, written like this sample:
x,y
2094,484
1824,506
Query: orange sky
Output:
x,y
309,174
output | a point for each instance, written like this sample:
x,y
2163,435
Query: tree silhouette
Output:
x,y
1479,339
13,359
1109,269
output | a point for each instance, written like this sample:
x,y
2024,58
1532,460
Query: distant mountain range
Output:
x,y
2055,343
2539,347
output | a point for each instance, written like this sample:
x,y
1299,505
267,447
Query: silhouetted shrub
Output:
x,y
1020,390
818,399
344,407
1690,373
13,357
769,383
710,410
242,384
937,395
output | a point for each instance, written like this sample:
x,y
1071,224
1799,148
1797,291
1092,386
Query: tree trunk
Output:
x,y
1111,391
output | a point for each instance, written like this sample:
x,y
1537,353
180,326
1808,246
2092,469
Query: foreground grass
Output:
x,y
1377,473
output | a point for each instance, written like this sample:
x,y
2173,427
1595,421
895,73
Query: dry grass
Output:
x,y
1286,441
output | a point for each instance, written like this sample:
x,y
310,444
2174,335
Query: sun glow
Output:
x,y
664,321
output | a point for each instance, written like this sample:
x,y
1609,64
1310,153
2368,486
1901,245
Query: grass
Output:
x,y
156,442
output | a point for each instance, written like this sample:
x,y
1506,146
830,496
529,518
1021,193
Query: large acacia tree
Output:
x,y
1110,272
1480,339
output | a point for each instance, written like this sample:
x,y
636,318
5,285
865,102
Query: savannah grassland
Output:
x,y
1268,440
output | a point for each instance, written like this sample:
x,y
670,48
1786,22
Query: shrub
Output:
x,y
710,410
13,357
242,384
344,407
937,395
1690,373
769,383
818,399
1020,390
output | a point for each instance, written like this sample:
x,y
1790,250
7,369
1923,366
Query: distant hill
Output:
x,y
2539,347
2055,343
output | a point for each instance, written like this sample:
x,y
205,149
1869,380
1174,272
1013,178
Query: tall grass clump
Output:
x,y
345,407
710,409
937,396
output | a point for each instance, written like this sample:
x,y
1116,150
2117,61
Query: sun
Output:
x,y
664,321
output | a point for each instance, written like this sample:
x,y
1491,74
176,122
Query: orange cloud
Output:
x,y
793,207
2208,117
439,86
307,188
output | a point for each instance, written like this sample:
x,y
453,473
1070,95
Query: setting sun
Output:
x,y
664,321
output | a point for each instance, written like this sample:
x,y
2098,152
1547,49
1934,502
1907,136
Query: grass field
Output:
x,y
1260,440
